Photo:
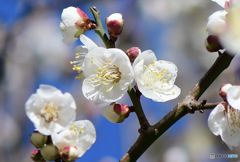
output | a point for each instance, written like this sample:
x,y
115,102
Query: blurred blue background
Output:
x,y
32,53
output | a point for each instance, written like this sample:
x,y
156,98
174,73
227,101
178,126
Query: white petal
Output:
x,y
232,140
68,33
172,69
109,113
93,60
70,16
115,16
87,138
138,70
233,97
217,23
89,44
221,2
148,56
168,95
47,91
114,94
230,42
146,91
217,121
90,91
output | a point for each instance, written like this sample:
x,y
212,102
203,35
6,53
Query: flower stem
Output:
x,y
99,30
138,108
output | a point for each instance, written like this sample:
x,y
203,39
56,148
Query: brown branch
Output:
x,y
188,105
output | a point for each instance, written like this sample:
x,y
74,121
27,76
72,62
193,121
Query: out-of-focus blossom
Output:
x,y
116,113
155,79
224,120
108,74
79,137
217,23
231,37
74,23
114,24
81,52
164,10
221,3
226,25
50,110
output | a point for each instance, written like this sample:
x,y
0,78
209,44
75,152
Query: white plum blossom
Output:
x,y
108,74
74,22
224,120
79,137
81,52
155,79
226,25
50,110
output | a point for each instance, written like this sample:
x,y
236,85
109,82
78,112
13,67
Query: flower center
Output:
x,y
156,77
76,130
233,116
49,113
107,75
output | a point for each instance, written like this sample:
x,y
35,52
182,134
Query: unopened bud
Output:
x,y
50,152
133,52
74,23
114,24
37,156
70,153
224,89
116,113
212,43
38,139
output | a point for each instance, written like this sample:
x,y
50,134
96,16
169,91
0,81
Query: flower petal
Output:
x,y
217,121
88,43
217,23
233,97
148,56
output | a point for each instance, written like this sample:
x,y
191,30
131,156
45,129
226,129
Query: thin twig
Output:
x,y
138,108
99,30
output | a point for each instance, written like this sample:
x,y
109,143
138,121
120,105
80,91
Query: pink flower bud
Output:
x,y
116,113
38,139
70,153
212,43
115,24
36,155
133,52
49,152
224,89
